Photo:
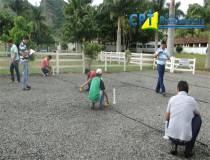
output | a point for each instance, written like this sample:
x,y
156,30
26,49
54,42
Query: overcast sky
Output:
x,y
184,3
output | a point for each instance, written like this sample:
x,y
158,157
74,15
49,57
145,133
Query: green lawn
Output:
x,y
200,59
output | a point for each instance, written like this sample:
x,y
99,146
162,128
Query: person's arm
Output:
x,y
196,112
167,114
107,99
86,82
155,55
12,56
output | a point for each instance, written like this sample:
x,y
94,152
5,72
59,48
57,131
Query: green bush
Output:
x,y
179,49
91,50
128,55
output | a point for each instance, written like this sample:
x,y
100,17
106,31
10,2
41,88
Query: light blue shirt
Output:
x,y
162,56
14,53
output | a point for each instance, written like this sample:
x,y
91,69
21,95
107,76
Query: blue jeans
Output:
x,y
196,125
14,66
101,100
160,85
25,74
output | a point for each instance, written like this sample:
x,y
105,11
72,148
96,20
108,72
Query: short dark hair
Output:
x,y
10,41
163,42
87,70
49,56
25,37
183,86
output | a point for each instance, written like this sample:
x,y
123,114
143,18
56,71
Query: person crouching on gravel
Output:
x,y
97,91
45,67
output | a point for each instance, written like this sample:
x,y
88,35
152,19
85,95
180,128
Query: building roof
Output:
x,y
191,40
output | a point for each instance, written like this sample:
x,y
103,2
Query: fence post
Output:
x,y
194,61
110,58
83,62
141,61
105,61
172,64
124,62
57,58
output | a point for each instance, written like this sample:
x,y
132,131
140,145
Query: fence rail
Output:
x,y
62,60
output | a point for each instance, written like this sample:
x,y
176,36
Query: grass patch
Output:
x,y
200,59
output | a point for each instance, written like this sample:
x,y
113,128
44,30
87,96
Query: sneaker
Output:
x,y
26,89
157,91
173,149
163,93
29,87
188,154
166,137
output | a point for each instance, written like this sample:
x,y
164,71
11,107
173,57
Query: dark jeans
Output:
x,y
14,66
196,125
160,85
45,71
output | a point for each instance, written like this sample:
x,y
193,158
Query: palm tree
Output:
x,y
119,9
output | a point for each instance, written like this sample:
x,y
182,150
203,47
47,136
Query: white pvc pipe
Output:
x,y
114,96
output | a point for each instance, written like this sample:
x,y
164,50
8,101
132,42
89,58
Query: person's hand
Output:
x,y
81,88
106,103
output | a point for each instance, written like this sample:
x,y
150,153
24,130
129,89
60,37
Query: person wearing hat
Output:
x,y
90,76
97,90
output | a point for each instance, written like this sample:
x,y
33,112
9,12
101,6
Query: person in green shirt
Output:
x,y
97,91
14,60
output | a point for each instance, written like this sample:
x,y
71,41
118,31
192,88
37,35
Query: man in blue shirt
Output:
x,y
162,56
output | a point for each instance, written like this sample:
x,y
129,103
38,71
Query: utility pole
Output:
x,y
170,40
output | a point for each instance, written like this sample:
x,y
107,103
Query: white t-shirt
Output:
x,y
181,108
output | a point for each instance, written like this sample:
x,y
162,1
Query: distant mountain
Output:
x,y
52,10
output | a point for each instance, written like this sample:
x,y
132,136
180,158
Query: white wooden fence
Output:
x,y
62,60
143,59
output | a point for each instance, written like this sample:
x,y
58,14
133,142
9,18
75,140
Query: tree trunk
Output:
x,y
170,41
118,47
207,64
156,40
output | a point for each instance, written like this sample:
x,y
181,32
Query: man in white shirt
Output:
x,y
14,61
162,56
184,120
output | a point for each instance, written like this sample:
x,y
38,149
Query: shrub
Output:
x,y
179,49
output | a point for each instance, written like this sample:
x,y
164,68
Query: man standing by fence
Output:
x,y
14,61
24,57
162,56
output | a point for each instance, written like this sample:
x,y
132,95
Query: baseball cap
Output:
x,y
99,71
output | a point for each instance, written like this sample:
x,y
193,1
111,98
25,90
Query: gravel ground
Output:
x,y
54,121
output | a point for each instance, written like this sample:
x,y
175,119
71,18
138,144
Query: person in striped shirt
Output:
x,y
24,57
